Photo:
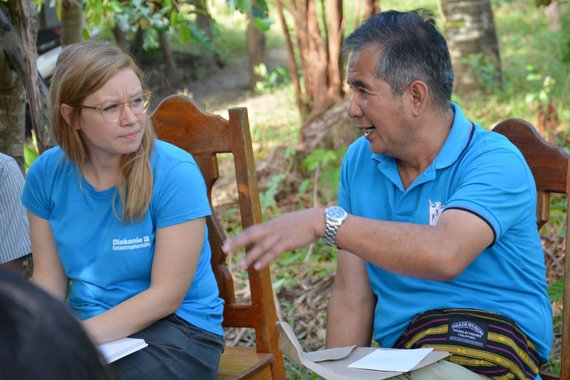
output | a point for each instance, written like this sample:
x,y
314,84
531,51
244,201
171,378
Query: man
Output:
x,y
440,214
15,243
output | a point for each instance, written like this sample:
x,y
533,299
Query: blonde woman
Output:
x,y
117,221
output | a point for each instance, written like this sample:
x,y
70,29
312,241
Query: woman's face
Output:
x,y
104,136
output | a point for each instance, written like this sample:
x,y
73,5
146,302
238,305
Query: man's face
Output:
x,y
379,114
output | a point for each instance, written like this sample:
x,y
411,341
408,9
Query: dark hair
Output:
x,y
40,338
412,49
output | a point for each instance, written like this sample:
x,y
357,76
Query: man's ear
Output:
x,y
418,94
66,112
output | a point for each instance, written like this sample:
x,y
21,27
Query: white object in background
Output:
x,y
46,62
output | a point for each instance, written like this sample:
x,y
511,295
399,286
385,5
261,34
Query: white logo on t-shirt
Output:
x,y
130,244
435,210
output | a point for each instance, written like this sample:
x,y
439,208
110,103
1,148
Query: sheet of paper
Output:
x,y
120,348
392,360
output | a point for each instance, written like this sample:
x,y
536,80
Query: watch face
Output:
x,y
336,212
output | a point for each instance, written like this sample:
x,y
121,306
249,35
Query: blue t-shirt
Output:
x,y
108,261
483,173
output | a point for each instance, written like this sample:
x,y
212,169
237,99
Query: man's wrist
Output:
x,y
334,218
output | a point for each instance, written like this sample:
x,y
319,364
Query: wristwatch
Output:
x,y
334,217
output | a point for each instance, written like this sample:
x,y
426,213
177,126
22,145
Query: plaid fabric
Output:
x,y
486,343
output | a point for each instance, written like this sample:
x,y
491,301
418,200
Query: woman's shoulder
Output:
x,y
54,153
169,153
168,160
51,158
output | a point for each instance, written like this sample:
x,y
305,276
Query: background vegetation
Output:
x,y
535,73
212,68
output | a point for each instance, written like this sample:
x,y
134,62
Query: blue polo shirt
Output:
x,y
478,171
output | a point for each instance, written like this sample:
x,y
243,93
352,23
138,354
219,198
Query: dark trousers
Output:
x,y
176,350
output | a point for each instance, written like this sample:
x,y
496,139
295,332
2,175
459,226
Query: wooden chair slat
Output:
x,y
549,166
180,121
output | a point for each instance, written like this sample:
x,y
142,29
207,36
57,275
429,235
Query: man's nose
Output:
x,y
354,109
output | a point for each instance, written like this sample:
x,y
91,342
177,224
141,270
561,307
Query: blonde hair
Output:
x,y
82,69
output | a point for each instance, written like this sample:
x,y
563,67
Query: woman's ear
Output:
x,y
66,112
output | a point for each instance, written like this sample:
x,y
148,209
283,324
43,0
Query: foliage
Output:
x,y
526,48
259,10
556,290
156,17
267,198
542,95
486,70
270,80
325,165
529,52
30,155
294,371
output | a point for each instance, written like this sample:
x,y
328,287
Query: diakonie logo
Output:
x,y
130,244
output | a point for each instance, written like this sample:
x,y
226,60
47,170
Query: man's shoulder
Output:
x,y
484,139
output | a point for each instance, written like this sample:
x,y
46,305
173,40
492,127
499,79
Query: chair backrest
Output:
x,y
181,122
549,166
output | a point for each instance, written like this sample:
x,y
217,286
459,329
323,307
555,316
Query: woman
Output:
x,y
121,217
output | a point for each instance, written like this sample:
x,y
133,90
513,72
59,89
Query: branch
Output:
x,y
20,11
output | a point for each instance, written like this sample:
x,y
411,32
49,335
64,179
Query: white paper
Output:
x,y
392,360
120,348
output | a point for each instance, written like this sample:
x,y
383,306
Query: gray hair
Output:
x,y
412,49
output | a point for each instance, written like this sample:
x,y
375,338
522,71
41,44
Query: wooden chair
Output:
x,y
181,122
550,167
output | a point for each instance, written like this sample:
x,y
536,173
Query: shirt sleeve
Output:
x,y
180,195
34,196
14,227
498,187
343,192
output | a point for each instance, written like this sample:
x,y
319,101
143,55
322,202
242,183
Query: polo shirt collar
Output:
x,y
456,142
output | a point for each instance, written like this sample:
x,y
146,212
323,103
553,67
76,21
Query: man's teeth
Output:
x,y
368,130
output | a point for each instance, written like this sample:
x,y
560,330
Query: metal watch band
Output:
x,y
330,233
334,217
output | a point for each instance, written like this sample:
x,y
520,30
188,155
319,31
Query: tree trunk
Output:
x,y
318,45
371,7
203,18
137,43
23,17
121,38
291,63
255,46
552,12
471,36
12,91
71,22
335,37
172,73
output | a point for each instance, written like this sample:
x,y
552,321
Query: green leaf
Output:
x,y
185,33
30,155
150,42
262,24
556,290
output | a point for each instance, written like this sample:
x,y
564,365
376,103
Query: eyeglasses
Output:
x,y
111,112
